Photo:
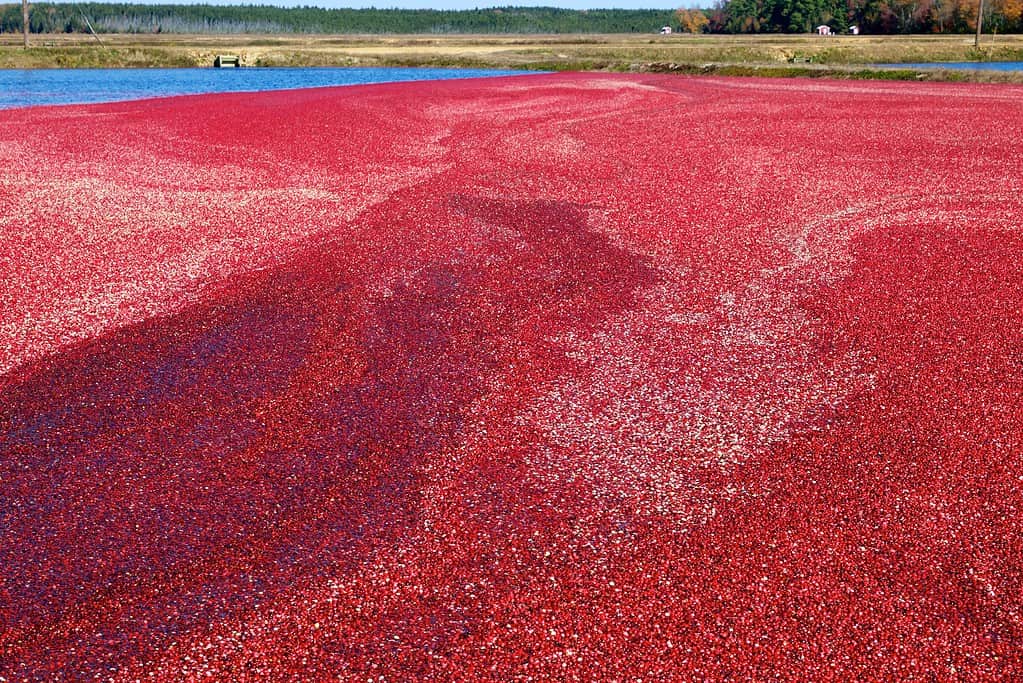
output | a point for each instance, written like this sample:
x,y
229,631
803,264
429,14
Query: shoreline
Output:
x,y
840,57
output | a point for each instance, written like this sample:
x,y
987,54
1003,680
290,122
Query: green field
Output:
x,y
841,56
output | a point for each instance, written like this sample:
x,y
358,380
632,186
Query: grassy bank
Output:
x,y
843,56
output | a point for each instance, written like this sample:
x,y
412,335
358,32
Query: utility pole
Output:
x,y
980,22
24,20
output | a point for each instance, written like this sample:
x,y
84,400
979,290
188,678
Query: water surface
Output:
x,y
29,87
980,66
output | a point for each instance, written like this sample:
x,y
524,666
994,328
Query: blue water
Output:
x,y
29,87
982,66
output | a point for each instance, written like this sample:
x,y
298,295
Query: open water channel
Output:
x,y
977,66
30,87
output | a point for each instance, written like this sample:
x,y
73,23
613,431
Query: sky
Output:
x,y
473,4
449,4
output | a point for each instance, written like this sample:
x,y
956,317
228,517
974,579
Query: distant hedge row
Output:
x,y
123,18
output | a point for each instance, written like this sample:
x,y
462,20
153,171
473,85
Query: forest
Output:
x,y
126,18
727,16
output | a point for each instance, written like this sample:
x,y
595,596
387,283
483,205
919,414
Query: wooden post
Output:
x,y
980,22
24,20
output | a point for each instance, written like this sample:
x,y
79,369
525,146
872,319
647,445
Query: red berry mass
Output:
x,y
558,377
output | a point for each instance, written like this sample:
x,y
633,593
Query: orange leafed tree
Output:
x,y
691,20
1012,9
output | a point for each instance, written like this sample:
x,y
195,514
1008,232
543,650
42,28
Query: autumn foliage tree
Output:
x,y
692,20
872,16
1007,15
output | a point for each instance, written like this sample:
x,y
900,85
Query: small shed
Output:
x,y
855,30
221,61
665,30
824,30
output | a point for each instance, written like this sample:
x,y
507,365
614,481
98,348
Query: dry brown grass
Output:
x,y
558,52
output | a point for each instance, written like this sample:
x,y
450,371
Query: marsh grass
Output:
x,y
97,57
764,55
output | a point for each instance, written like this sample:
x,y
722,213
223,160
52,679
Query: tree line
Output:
x,y
125,18
871,16
728,16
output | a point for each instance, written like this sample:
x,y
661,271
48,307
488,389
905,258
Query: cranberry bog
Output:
x,y
557,377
